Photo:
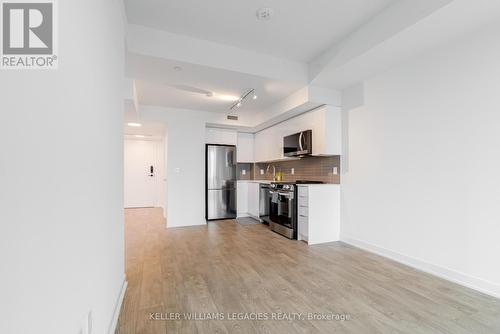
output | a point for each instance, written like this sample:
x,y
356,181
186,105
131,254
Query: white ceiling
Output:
x,y
299,30
156,78
308,45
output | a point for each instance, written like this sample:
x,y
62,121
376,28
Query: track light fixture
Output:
x,y
243,97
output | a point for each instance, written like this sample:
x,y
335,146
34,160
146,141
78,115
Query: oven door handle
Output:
x,y
286,195
279,193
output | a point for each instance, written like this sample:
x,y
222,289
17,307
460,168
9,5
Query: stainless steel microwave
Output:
x,y
299,144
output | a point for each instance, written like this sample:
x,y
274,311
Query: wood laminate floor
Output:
x,y
233,270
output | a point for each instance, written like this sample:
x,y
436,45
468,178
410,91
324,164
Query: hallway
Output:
x,y
227,268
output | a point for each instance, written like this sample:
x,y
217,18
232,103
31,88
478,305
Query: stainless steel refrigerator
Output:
x,y
220,182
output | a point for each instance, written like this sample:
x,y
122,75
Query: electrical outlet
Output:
x,y
261,172
244,172
293,171
335,171
177,170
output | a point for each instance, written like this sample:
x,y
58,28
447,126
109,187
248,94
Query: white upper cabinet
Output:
x,y
325,123
268,144
245,147
220,136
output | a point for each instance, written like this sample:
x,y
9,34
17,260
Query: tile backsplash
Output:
x,y
246,171
308,168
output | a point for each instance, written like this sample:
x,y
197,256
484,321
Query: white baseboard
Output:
x,y
202,223
474,283
118,307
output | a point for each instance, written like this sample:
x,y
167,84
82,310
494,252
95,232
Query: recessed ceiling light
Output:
x,y
264,13
177,68
136,125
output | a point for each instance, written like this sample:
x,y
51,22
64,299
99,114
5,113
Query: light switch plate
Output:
x,y
244,172
293,171
335,171
261,172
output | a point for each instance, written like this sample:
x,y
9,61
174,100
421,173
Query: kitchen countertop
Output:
x,y
318,184
302,184
256,181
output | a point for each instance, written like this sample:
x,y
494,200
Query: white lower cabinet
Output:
x,y
318,213
242,199
248,193
253,199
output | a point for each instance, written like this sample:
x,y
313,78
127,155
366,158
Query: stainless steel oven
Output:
x,y
283,209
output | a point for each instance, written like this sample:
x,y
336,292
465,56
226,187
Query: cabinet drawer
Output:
x,y
303,191
303,201
303,211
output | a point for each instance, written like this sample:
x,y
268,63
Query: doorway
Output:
x,y
143,173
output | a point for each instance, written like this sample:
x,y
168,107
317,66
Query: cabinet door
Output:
x,y
245,147
253,199
262,145
220,136
242,199
269,144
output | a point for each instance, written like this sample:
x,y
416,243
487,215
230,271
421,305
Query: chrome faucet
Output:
x,y
274,171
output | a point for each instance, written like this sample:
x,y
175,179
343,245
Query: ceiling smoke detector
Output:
x,y
264,13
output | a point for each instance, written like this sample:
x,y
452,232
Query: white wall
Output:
x,y
185,162
423,183
61,170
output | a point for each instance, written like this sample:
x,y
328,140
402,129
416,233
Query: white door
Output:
x,y
143,173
